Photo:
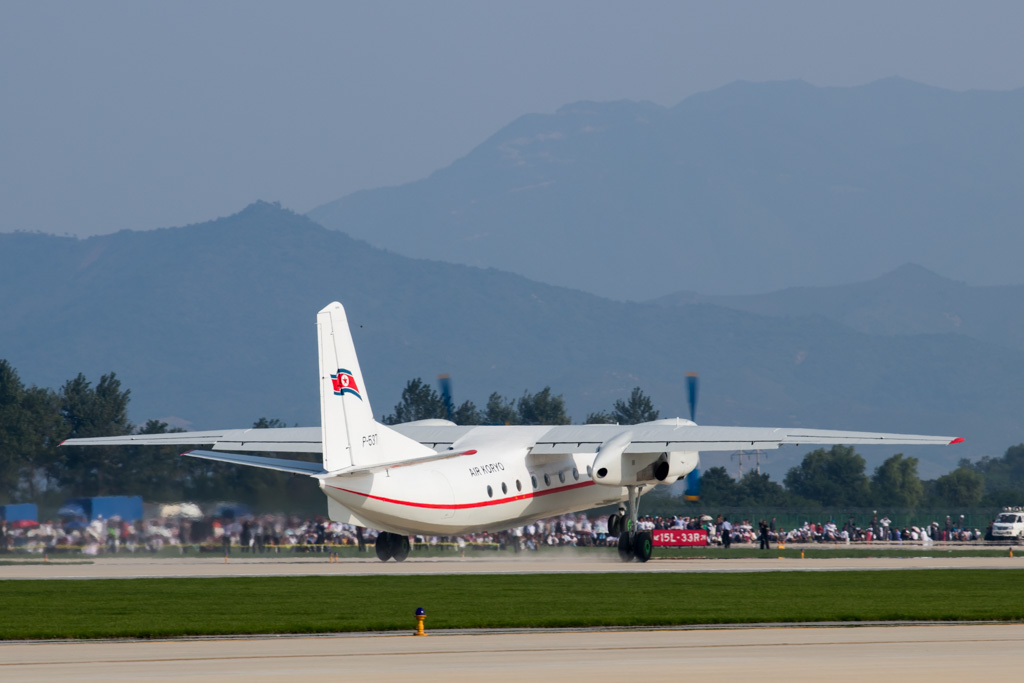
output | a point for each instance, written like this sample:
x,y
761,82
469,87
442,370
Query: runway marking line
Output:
x,y
420,653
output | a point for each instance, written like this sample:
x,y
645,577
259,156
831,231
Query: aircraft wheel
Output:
x,y
625,546
384,547
400,545
614,524
643,545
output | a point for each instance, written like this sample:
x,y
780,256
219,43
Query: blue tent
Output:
x,y
126,508
19,512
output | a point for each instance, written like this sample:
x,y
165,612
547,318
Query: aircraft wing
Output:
x,y
293,466
554,440
688,437
278,440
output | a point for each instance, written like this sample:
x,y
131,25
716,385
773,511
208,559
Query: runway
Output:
x,y
123,566
934,653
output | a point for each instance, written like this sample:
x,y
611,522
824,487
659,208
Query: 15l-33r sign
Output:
x,y
680,537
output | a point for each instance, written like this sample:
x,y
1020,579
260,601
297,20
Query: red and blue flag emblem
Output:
x,y
345,383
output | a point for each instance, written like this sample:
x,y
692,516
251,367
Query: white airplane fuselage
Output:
x,y
478,492
493,484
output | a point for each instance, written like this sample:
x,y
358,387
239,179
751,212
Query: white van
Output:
x,y
1009,525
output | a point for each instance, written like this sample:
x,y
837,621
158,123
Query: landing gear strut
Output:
x,y
633,544
390,545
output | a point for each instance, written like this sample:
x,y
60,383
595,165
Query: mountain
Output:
x,y
213,324
749,188
909,300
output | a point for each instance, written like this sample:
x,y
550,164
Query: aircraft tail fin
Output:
x,y
351,437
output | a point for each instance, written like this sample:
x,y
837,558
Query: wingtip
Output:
x,y
958,439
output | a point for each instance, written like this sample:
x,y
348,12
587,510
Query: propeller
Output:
x,y
693,478
691,392
446,395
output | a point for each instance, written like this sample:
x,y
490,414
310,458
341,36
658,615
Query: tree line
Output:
x,y
34,421
421,401
835,477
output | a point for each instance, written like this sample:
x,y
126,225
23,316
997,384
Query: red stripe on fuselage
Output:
x,y
465,506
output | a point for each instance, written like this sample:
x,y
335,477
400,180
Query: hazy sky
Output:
x,y
142,114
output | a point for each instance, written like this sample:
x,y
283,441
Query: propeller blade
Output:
x,y
446,395
691,391
693,485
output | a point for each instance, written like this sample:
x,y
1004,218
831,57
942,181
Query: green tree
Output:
x,y
833,477
961,488
262,423
759,490
717,488
89,412
45,430
638,408
895,483
13,428
420,401
542,408
466,413
500,411
1003,476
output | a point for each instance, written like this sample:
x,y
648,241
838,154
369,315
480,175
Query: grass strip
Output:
x,y
211,606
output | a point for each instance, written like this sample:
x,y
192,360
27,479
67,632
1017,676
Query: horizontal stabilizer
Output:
x,y
279,440
281,465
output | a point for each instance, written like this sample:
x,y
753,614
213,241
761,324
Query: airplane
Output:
x,y
434,477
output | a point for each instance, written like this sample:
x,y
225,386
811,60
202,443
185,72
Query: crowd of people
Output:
x,y
276,533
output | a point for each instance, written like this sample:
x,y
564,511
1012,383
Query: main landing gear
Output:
x,y
390,545
633,544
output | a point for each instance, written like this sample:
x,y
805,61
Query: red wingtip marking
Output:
x,y
62,443
958,439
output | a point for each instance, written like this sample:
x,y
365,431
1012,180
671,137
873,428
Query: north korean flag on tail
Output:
x,y
345,383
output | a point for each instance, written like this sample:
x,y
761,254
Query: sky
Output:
x,y
139,115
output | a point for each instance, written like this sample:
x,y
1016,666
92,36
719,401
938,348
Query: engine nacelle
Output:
x,y
614,467
674,465
608,465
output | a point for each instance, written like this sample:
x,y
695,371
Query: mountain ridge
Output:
x,y
214,323
909,300
748,188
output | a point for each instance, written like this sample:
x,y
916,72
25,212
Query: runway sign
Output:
x,y
680,537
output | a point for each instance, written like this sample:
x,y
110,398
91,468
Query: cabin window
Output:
x,y
590,472
533,480
547,480
561,477
504,489
519,486
575,474
490,493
